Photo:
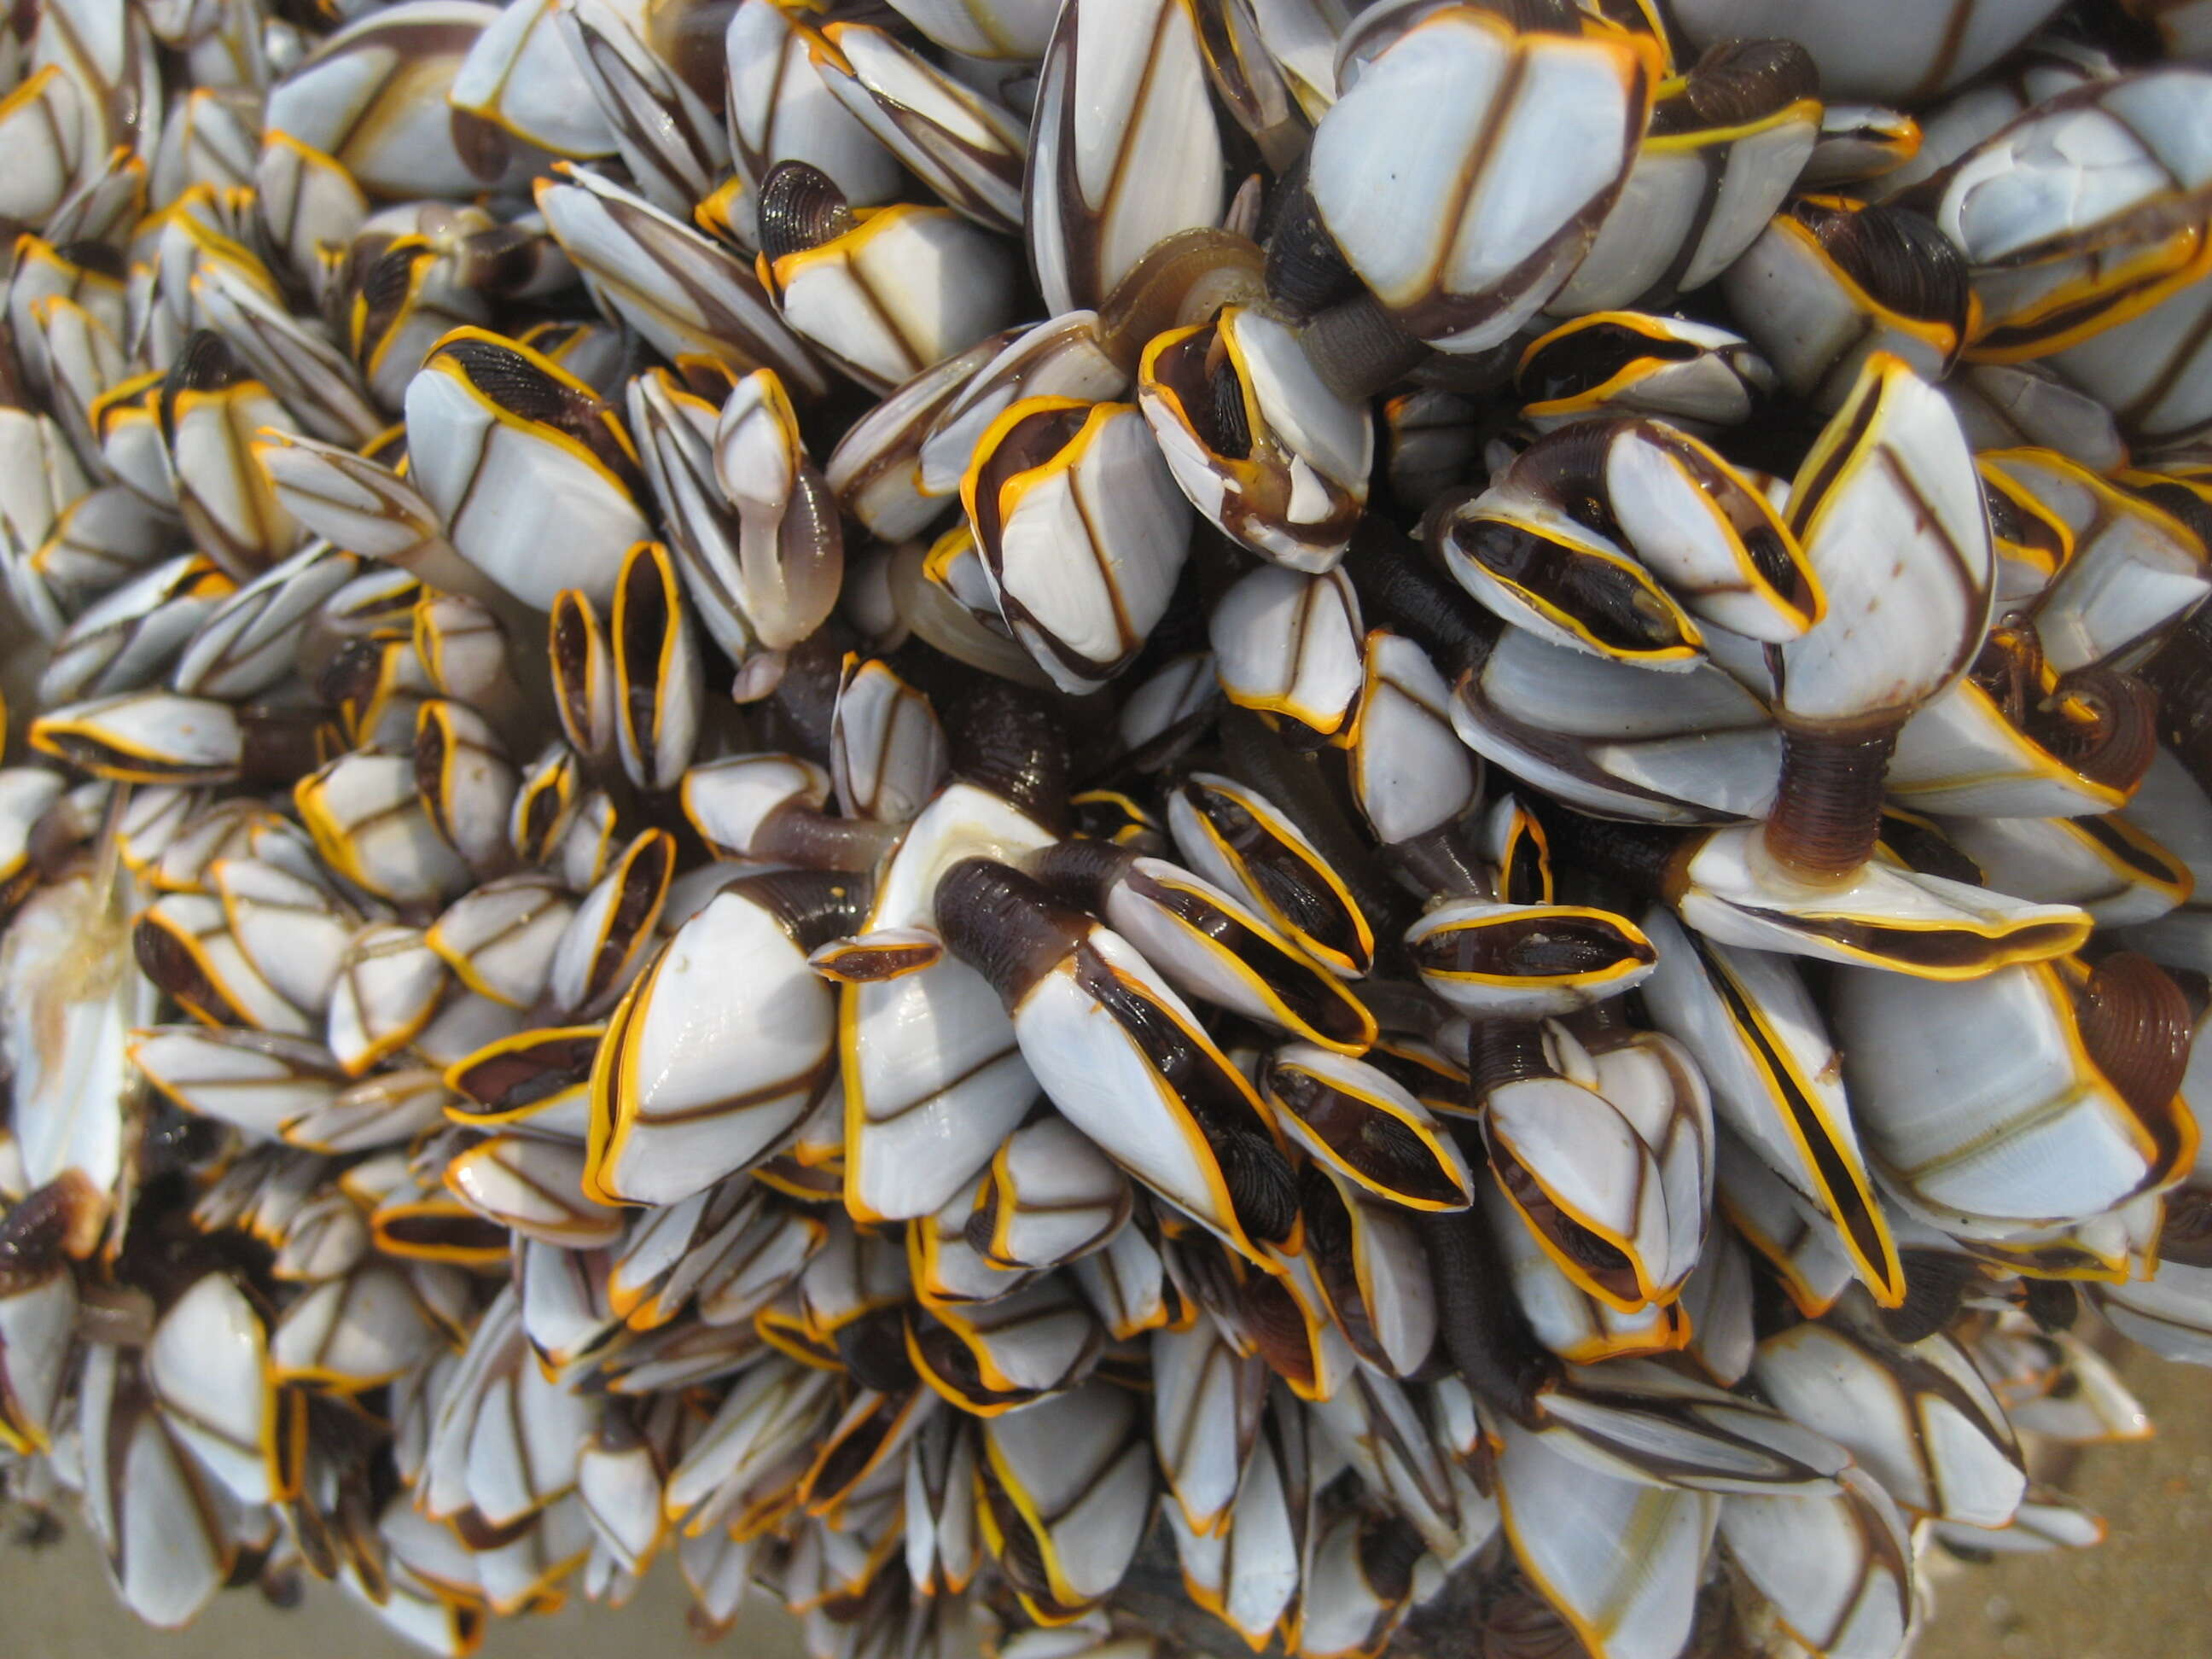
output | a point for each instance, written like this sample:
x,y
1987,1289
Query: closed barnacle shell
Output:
x,y
1729,137
2151,371
534,1187
1585,729
1776,1081
966,147
668,1114
2026,405
150,1505
683,293
1480,269
208,408
124,639
1262,447
2113,870
1662,1427
520,75
1918,1417
1411,776
1066,1491
2054,262
991,1358
611,933
366,508
244,645
1623,1216
373,96
499,937
669,139
1565,1317
1203,1138
517,458
1833,281
391,1108
1206,942
946,1267
876,468
843,278
1081,533
1248,1575
127,422
1288,644
887,751
315,381
466,782
39,121
1614,1613
2067,1079
254,1081
87,275
293,930
387,989
370,826
185,949
2133,563
1360,1584
1903,55
1372,1271
1120,91
1048,1197
146,736
1207,1401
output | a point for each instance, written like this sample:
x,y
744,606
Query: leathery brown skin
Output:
x,y
1103,828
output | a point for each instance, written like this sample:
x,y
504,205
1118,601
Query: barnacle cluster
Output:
x,y
1108,825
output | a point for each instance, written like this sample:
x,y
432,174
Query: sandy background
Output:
x,y
2147,1591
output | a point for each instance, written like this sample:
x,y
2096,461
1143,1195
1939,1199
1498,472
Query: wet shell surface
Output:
x,y
1097,829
